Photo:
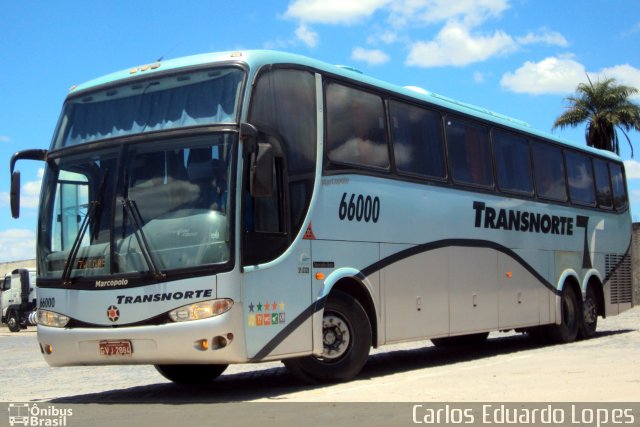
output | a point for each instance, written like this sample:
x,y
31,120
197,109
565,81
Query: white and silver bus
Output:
x,y
252,206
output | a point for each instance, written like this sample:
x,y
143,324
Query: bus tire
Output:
x,y
13,322
589,322
346,332
471,340
567,330
191,374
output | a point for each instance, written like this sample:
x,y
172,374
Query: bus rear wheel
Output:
x,y
567,330
346,333
191,374
590,318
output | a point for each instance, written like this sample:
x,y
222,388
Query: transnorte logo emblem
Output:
x,y
113,313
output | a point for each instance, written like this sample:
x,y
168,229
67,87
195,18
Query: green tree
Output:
x,y
605,107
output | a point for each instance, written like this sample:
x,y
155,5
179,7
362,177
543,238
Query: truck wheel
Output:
x,y
346,335
571,313
12,321
191,374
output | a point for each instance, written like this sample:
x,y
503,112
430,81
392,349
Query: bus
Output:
x,y
241,207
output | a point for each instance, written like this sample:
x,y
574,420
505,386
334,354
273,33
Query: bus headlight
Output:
x,y
53,319
201,310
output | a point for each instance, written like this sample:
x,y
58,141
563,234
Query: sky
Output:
x,y
516,57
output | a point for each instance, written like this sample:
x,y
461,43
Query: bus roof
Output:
x,y
257,58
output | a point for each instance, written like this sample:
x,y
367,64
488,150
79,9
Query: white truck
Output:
x,y
18,302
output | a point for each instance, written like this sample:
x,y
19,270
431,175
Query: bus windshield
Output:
x,y
143,208
187,99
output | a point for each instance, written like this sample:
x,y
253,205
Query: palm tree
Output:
x,y
606,108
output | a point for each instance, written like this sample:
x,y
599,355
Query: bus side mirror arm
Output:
x,y
261,173
249,136
15,175
261,161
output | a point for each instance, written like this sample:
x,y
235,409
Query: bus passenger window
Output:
x,y
513,162
355,127
617,182
580,175
417,140
549,172
469,152
603,186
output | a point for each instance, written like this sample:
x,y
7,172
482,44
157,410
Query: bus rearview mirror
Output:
x,y
15,194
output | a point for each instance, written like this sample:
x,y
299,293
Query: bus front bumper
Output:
x,y
217,340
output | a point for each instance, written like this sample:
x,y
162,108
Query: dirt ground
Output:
x,y
509,368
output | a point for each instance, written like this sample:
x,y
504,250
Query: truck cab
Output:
x,y
18,302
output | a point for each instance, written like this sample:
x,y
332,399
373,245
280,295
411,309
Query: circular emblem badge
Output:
x,y
113,313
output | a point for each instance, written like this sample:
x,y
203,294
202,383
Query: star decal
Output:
x,y
267,306
281,306
274,306
251,307
259,306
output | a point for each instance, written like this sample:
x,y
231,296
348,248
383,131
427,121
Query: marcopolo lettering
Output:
x,y
514,220
165,296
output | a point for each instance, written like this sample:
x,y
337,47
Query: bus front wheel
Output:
x,y
191,374
346,333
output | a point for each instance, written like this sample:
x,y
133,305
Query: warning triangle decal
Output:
x,y
308,235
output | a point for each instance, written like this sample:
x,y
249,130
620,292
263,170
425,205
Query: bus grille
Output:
x,y
618,268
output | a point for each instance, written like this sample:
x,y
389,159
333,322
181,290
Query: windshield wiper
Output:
x,y
132,212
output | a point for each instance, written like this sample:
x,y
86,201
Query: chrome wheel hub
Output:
x,y
335,337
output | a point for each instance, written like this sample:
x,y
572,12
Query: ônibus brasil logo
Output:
x,y
32,415
113,313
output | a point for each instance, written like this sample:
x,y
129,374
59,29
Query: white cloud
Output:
x,y
632,30
634,198
17,244
370,56
468,12
632,169
333,11
307,35
4,138
551,75
561,75
383,36
625,74
544,36
455,45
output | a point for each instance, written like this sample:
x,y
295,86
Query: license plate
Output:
x,y
116,348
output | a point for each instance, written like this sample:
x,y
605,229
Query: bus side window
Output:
x,y
355,127
549,171
469,152
513,163
417,140
603,185
580,175
617,181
